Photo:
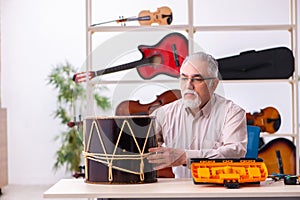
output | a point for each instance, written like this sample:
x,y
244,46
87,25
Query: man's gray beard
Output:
x,y
194,103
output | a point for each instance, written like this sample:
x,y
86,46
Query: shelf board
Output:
x,y
282,27
131,28
259,81
97,81
264,134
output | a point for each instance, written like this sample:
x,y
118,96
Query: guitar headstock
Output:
x,y
82,76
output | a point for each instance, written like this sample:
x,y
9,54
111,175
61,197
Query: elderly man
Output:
x,y
202,124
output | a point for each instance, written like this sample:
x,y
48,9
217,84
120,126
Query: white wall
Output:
x,y
36,35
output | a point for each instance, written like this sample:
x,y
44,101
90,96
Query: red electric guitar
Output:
x,y
165,57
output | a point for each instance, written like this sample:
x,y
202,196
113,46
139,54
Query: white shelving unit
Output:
x,y
291,28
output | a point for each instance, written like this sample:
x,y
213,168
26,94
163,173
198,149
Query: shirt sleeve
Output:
x,y
233,140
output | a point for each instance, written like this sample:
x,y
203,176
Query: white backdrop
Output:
x,y
36,35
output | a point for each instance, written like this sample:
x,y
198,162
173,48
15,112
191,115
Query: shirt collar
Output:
x,y
208,107
206,110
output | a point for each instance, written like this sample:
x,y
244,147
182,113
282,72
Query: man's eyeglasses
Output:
x,y
195,79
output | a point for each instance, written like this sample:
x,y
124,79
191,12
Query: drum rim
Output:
x,y
121,117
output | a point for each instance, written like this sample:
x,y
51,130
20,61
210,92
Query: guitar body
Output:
x,y
287,151
168,55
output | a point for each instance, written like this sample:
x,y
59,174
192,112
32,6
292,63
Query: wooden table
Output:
x,y
171,188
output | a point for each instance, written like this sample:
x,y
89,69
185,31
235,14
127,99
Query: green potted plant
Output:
x,y
69,154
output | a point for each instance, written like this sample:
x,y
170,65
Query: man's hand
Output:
x,y
166,157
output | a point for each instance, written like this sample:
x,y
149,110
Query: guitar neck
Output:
x,y
123,67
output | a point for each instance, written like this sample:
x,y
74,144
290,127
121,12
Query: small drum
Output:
x,y
115,149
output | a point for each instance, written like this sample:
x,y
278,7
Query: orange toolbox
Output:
x,y
230,172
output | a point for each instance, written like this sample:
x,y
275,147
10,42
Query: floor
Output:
x,y
28,192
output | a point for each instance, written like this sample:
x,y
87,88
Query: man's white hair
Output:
x,y
202,56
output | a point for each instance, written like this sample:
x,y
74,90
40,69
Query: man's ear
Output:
x,y
215,83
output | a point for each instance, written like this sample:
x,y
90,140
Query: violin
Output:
x,y
131,107
268,119
162,16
